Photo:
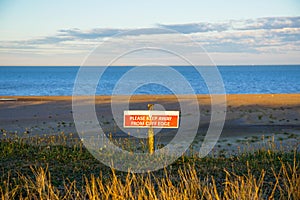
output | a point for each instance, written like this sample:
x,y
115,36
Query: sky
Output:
x,y
65,32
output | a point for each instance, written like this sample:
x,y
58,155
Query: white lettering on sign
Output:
x,y
151,118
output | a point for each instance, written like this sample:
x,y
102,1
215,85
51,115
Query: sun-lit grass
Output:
x,y
59,167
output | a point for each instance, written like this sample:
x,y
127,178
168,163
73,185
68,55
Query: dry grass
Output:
x,y
42,172
138,186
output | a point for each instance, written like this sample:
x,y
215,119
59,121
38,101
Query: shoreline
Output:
x,y
260,99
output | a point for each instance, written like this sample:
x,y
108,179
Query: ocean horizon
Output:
x,y
237,79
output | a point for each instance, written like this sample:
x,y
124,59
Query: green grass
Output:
x,y
59,167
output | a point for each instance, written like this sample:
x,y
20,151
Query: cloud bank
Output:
x,y
270,35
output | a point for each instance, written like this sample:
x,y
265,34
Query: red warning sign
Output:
x,y
151,118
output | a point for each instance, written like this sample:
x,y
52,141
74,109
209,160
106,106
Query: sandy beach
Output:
x,y
250,118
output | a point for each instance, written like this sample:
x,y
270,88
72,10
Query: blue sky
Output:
x,y
63,32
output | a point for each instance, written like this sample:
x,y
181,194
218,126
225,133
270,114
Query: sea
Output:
x,y
60,80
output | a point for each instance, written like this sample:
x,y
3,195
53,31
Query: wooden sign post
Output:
x,y
151,133
151,119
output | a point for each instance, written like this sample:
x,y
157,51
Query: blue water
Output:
x,y
52,81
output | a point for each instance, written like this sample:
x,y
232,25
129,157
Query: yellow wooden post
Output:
x,y
151,134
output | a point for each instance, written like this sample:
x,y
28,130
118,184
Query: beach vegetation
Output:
x,y
60,167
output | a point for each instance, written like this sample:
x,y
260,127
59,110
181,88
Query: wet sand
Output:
x,y
250,118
